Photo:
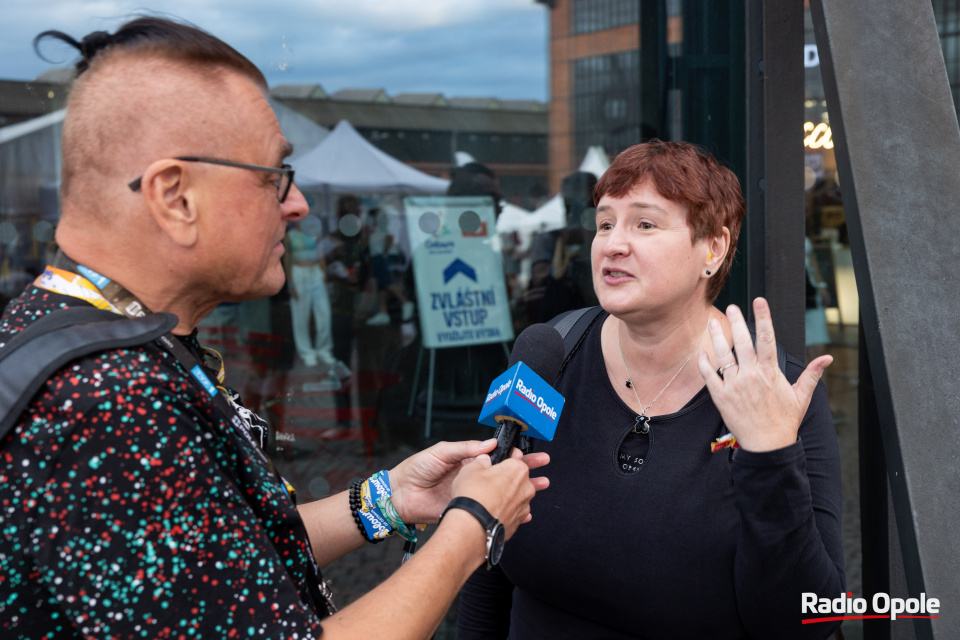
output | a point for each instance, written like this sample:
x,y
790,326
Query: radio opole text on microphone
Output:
x,y
522,395
532,396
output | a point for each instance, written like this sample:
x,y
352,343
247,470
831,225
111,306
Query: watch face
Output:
x,y
497,537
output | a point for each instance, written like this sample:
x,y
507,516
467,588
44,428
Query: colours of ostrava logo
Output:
x,y
883,607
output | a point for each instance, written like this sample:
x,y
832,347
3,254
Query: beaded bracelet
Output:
x,y
356,508
375,515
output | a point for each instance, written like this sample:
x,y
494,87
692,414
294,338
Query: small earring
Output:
x,y
708,272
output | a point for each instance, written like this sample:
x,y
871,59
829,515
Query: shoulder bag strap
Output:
x,y
33,355
573,327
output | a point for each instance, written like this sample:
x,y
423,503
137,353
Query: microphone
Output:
x,y
520,399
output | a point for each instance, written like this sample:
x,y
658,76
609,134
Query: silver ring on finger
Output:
x,y
724,368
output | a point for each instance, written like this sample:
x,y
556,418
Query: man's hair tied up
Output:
x,y
89,47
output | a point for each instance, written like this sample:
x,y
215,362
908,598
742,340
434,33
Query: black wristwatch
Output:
x,y
496,535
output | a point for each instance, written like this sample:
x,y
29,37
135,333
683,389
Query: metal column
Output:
x,y
773,187
898,155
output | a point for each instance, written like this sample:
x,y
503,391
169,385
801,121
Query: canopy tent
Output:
x,y
346,163
549,216
30,159
461,158
512,218
30,167
302,132
595,161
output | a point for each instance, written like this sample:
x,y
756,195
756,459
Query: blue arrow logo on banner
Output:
x,y
459,266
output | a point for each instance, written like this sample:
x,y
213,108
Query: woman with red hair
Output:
x,y
694,484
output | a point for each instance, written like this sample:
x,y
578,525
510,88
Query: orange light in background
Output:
x,y
819,136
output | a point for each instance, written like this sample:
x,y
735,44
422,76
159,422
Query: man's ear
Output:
x,y
166,190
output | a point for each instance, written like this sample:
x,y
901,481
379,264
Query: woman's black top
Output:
x,y
654,536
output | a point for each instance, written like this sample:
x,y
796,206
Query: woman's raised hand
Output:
x,y
760,407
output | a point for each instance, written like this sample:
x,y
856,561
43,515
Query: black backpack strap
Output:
x,y
573,327
781,352
34,354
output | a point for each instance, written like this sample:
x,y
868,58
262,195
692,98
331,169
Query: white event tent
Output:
x,y
549,216
30,159
595,161
347,163
512,218
299,130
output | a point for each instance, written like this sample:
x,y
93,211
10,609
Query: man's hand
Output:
x,y
425,482
760,407
504,489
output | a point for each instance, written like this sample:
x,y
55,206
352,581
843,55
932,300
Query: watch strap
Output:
x,y
474,508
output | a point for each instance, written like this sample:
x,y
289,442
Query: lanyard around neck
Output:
x,y
121,301
125,303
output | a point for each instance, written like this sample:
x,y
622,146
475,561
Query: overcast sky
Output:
x,y
455,47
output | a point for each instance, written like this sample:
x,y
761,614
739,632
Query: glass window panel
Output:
x,y
360,366
599,15
344,350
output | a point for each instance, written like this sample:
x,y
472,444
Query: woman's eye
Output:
x,y
646,225
604,226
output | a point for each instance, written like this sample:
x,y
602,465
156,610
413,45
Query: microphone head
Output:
x,y
540,347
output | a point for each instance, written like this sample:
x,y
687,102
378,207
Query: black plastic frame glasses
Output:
x,y
285,171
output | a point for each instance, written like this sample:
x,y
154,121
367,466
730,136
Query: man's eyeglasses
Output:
x,y
285,171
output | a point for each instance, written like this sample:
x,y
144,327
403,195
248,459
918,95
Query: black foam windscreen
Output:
x,y
540,347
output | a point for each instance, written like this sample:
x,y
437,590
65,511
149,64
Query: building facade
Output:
x,y
427,130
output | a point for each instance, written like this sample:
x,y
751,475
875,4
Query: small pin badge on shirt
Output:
x,y
724,442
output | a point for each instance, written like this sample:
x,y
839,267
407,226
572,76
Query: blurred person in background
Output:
x,y
384,253
136,500
307,283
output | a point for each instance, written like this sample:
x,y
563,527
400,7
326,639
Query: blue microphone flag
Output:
x,y
522,395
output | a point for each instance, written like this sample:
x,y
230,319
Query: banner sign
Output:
x,y
461,293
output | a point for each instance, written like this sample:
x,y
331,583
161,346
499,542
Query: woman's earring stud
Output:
x,y
708,272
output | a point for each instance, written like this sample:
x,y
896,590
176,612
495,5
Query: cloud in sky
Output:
x,y
455,47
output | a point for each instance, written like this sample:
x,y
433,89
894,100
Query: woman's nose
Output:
x,y
616,241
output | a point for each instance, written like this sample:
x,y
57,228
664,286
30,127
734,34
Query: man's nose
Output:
x,y
295,207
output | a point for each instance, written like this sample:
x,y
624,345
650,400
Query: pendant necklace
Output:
x,y
643,420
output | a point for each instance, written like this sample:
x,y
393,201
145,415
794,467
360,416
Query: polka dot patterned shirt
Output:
x,y
130,508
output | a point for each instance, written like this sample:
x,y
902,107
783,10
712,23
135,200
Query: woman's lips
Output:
x,y
614,276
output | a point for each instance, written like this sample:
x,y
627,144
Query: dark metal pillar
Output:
x,y
898,156
773,186
874,515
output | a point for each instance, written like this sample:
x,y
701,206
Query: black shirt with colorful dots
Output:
x,y
130,508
